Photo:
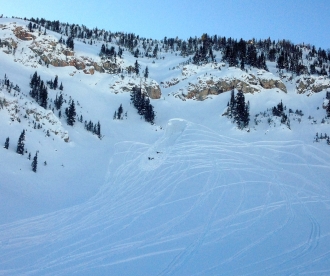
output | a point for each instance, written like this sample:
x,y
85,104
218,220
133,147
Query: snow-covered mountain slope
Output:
x,y
191,194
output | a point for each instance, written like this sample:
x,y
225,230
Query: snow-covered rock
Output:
x,y
314,84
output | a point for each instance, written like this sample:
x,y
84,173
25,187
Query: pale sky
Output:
x,y
298,21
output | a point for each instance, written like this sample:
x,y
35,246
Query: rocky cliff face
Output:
x,y
55,54
213,79
307,83
153,91
191,82
271,83
19,110
148,86
248,84
46,50
22,34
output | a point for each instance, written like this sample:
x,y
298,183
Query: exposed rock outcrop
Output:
x,y
248,84
153,91
23,34
310,83
270,83
149,87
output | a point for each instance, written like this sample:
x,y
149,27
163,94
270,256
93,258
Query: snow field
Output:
x,y
211,205
190,195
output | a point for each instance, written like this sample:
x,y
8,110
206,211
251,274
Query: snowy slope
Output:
x,y
189,195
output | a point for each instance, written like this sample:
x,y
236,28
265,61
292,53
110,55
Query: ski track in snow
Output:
x,y
193,203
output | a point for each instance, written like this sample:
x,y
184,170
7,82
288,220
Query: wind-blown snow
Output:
x,y
190,195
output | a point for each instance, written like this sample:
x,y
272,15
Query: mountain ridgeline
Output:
x,y
197,68
201,50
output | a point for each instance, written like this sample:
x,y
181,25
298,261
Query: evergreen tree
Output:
x,y
20,144
146,72
58,101
35,163
98,130
34,80
30,27
61,87
242,64
70,43
71,114
136,53
272,55
120,111
149,114
231,104
55,84
43,96
120,52
39,90
328,109
142,104
7,143
238,110
102,52
137,67
155,51
278,110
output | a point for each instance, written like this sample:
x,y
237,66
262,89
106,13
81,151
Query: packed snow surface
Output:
x,y
189,195
193,203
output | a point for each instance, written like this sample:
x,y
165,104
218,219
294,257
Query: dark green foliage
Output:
x,y
43,96
328,109
272,55
325,137
241,53
203,53
120,112
120,52
34,163
155,51
55,84
277,111
20,143
30,27
7,143
137,67
146,72
241,111
71,114
108,53
70,43
142,103
94,128
98,130
39,90
149,114
51,84
58,101
238,110
136,53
